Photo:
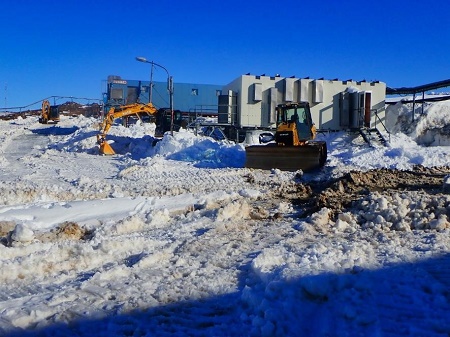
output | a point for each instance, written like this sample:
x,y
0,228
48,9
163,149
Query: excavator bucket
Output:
x,y
308,157
105,148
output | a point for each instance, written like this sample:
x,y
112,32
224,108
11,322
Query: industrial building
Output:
x,y
188,97
249,101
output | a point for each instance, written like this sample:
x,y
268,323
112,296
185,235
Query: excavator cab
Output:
x,y
164,121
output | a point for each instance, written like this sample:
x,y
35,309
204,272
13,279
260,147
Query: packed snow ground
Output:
x,y
177,240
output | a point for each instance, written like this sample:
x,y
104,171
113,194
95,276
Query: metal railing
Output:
x,y
228,117
378,118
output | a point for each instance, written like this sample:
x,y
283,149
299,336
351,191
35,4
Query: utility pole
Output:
x,y
150,93
169,86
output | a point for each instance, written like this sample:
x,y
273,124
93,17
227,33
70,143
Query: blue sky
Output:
x,y
68,47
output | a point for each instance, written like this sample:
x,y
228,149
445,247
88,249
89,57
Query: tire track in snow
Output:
x,y
161,179
17,151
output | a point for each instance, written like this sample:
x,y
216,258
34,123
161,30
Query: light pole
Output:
x,y
169,86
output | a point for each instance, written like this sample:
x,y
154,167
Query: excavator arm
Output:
x,y
45,109
136,109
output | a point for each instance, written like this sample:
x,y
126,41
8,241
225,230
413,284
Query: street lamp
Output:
x,y
169,86
150,88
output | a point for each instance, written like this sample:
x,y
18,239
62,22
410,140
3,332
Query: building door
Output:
x,y
367,108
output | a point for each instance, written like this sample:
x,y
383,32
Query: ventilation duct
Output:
x,y
289,89
318,91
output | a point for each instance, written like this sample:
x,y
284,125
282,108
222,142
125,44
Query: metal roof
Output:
x,y
420,88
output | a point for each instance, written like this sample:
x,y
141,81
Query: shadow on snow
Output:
x,y
55,130
400,300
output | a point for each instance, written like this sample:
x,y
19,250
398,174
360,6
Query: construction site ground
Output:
x,y
124,245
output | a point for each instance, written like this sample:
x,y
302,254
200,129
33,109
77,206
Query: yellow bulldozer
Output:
x,y
48,113
292,147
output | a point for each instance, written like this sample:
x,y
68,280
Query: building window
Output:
x,y
194,92
116,93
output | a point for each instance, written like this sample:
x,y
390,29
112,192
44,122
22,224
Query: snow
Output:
x,y
181,239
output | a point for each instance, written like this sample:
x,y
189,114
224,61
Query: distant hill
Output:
x,y
68,108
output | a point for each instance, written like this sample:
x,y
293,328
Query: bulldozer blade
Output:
x,y
105,148
286,158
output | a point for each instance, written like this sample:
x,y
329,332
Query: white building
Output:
x,y
249,101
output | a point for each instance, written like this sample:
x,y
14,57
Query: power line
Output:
x,y
95,100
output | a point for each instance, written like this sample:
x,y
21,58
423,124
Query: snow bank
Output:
x,y
430,128
434,129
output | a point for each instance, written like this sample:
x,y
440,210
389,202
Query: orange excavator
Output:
x,y
293,146
126,111
163,119
48,113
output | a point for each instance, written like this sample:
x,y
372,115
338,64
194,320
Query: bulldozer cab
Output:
x,y
294,147
298,114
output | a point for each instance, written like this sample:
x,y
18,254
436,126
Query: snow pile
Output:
x,y
399,119
434,129
137,142
203,152
430,128
404,212
402,153
21,234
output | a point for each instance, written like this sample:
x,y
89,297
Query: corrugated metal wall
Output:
x,y
187,97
